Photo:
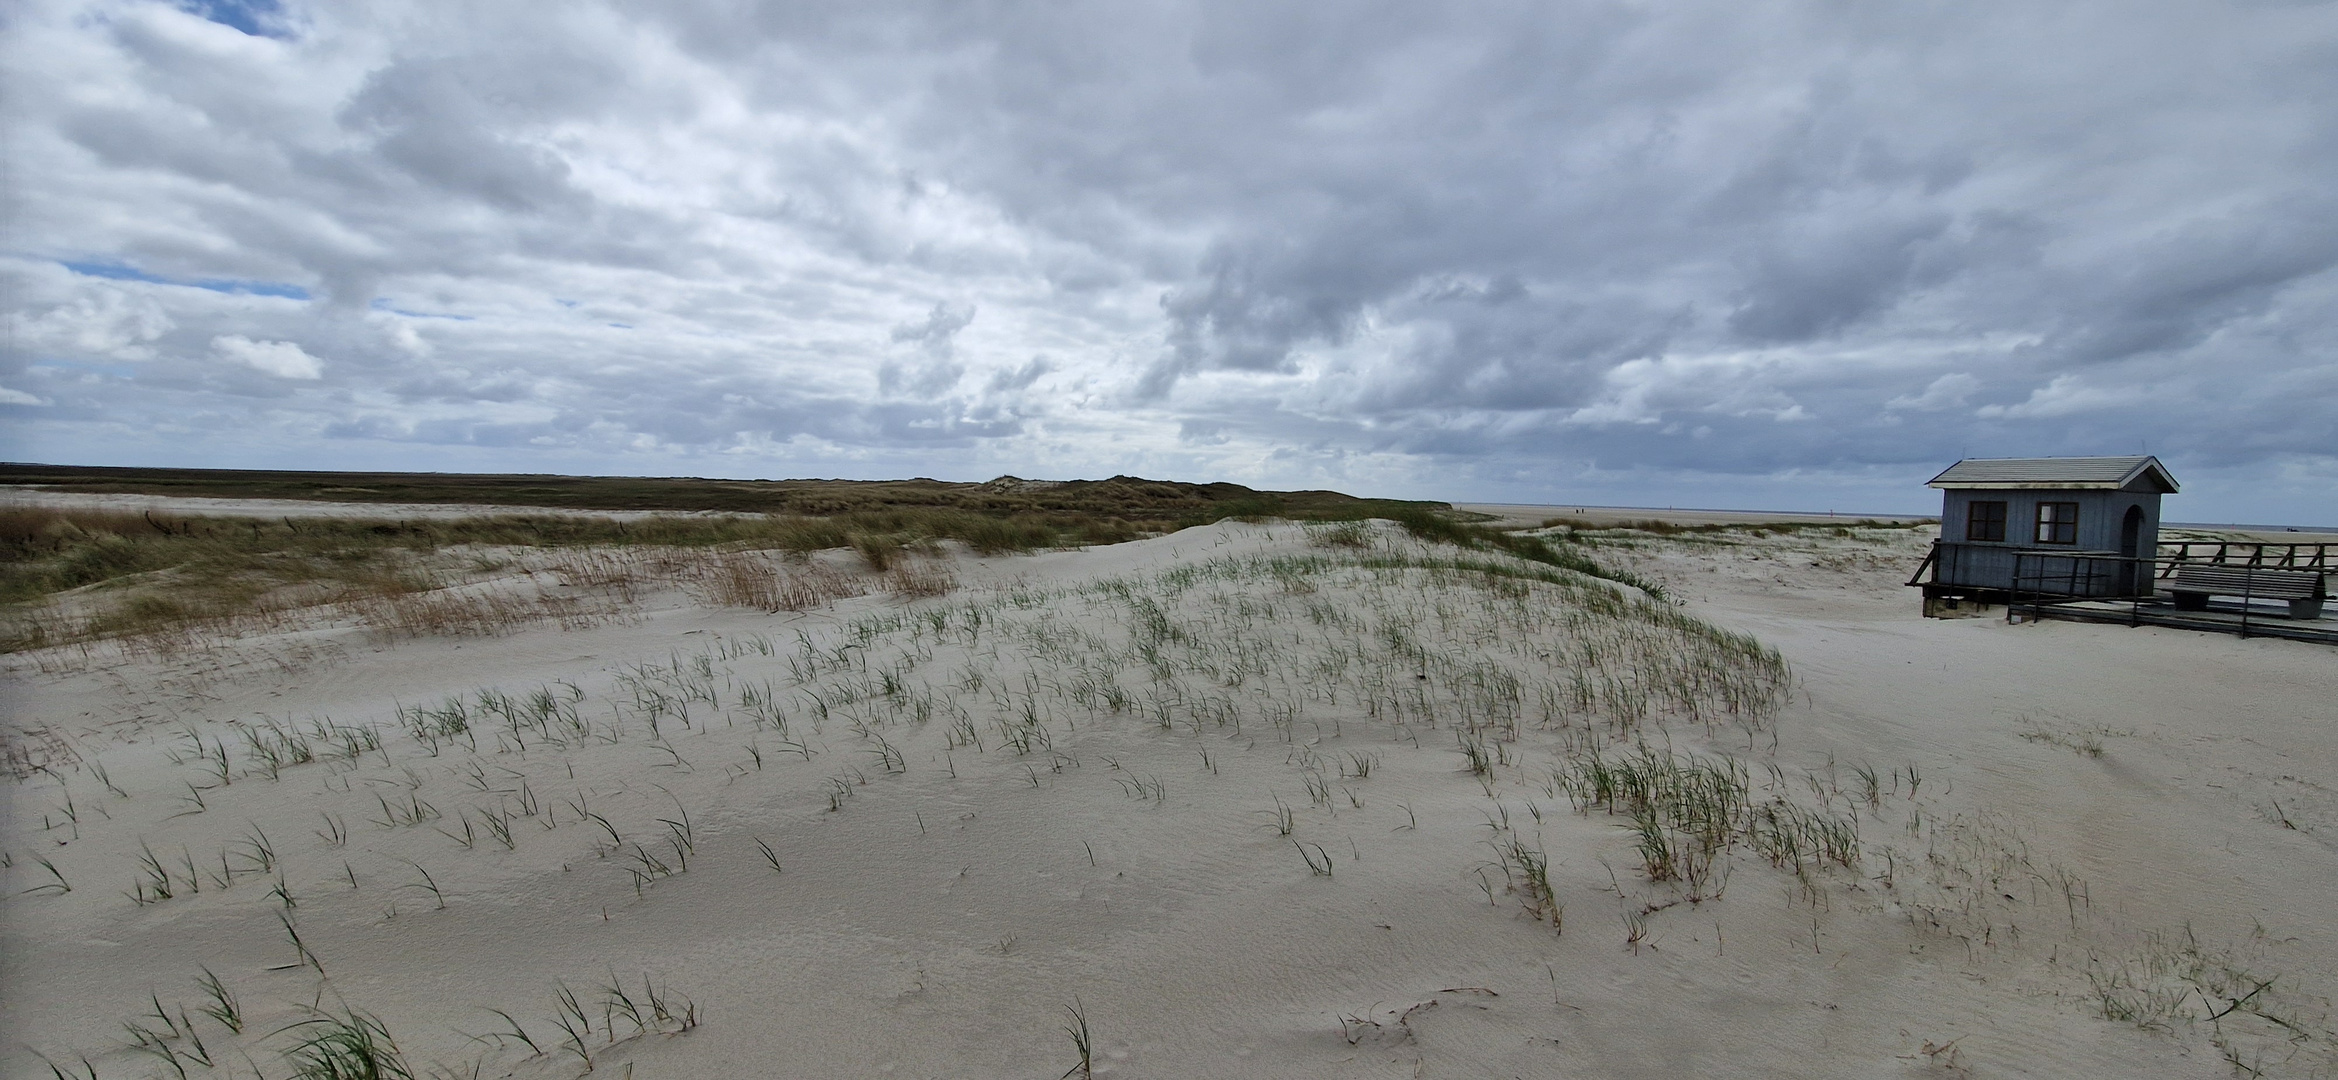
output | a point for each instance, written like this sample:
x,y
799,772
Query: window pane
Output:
x,y
2057,523
1985,521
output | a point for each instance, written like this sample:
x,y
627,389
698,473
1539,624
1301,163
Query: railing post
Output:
x,y
2013,592
2037,586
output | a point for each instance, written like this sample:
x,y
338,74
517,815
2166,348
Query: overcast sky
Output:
x,y
1761,254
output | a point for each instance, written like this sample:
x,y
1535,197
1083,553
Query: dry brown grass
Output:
x,y
171,613
753,579
76,576
482,612
463,592
619,571
740,579
918,579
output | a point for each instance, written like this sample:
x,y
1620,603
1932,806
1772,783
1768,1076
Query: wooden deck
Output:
x,y
2222,617
2084,586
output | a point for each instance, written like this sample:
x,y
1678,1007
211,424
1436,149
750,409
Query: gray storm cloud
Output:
x,y
1581,250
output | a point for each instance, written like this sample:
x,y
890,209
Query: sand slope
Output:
x,y
1066,784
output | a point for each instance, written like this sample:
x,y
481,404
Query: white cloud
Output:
x,y
404,338
2067,395
1275,244
1945,392
103,321
283,359
19,397
1650,391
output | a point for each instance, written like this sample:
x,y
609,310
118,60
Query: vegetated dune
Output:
x,y
1135,500
1243,800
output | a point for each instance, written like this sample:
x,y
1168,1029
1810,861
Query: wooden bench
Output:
x,y
2303,590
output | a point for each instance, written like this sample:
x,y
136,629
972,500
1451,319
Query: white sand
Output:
x,y
939,920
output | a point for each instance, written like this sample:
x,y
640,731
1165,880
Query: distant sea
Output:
x,y
2251,528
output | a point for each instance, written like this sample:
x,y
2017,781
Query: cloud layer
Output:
x,y
1789,253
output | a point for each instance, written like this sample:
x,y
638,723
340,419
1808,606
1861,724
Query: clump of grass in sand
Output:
x,y
456,613
752,579
1318,860
1082,1041
2257,1021
1281,819
655,1010
1344,534
57,882
1428,524
1527,871
917,580
88,1071
879,550
1686,812
2085,742
155,882
349,1046
222,1006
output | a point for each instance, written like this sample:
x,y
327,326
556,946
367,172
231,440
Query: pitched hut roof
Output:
x,y
2143,473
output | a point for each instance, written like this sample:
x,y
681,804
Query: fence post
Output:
x,y
2013,591
2248,597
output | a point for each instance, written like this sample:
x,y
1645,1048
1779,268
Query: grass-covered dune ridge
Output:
x,y
1147,504
76,575
72,574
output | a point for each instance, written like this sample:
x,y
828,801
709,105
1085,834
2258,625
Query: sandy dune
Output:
x,y
1257,801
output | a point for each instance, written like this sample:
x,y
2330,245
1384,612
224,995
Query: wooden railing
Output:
x,y
2031,567
2043,579
2246,553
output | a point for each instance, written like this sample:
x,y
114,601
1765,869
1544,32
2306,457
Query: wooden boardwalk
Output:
x,y
2222,617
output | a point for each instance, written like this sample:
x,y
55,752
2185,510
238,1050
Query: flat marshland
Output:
x,y
736,796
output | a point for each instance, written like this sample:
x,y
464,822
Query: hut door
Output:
x,y
2131,547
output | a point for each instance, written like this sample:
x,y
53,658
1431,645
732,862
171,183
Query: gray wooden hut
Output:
x,y
2076,526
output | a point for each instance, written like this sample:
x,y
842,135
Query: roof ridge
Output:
x,y
2092,471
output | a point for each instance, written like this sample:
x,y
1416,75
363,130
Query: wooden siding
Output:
x,y
2100,517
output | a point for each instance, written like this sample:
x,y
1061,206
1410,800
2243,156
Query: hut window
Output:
x,y
2057,523
1985,521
